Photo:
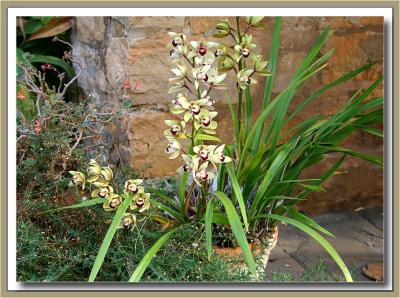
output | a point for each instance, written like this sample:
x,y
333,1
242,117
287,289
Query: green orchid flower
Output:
x,y
221,52
201,48
106,174
180,75
244,78
78,179
243,49
94,171
217,156
141,201
173,148
202,151
201,172
260,66
128,222
191,108
103,191
222,29
255,22
177,129
112,202
210,77
225,64
210,101
187,167
177,46
132,186
205,121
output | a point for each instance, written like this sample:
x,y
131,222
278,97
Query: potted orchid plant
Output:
x,y
251,185
245,188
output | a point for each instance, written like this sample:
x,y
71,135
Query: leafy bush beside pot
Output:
x,y
248,187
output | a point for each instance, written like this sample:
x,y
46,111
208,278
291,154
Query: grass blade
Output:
x,y
109,236
321,240
144,263
237,229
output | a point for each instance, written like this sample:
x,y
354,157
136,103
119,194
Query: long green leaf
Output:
x,y
247,109
268,178
377,160
163,196
374,131
109,236
203,137
273,60
260,120
182,190
237,230
321,240
144,263
272,65
234,118
326,87
238,194
306,220
208,224
178,216
53,61
86,203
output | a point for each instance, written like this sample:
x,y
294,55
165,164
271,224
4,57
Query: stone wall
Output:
x,y
115,49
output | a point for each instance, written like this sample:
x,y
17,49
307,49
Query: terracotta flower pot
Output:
x,y
257,248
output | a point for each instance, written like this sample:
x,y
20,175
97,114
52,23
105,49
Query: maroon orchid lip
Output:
x,y
133,190
174,43
204,155
126,223
248,81
222,158
245,52
206,121
205,79
113,204
196,110
140,203
173,131
202,50
101,195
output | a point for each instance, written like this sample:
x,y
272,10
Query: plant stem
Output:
x,y
203,201
189,194
239,110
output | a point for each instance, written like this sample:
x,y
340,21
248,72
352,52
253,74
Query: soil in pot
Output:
x,y
260,248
